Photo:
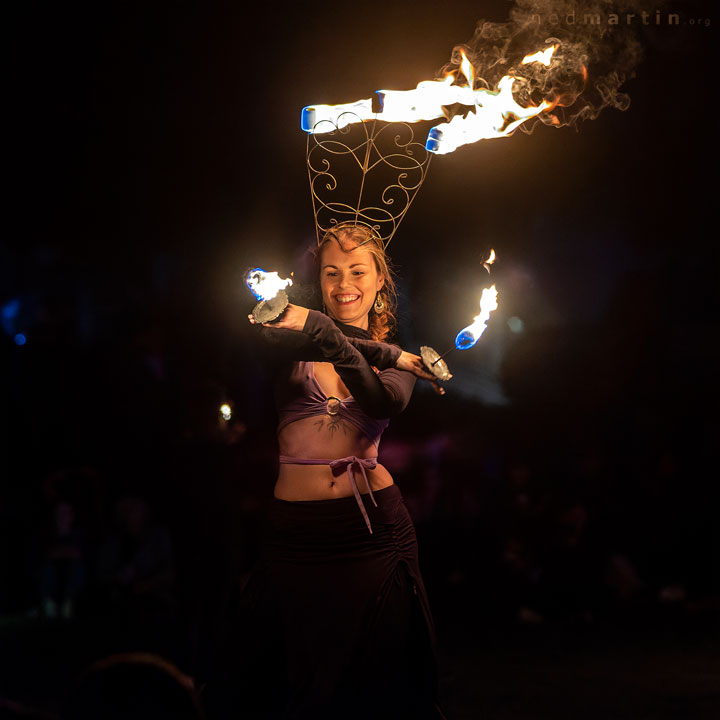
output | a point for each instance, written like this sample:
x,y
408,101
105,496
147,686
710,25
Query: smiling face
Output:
x,y
349,280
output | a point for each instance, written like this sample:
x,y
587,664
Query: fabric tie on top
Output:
x,y
349,464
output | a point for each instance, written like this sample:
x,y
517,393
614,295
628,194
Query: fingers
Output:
x,y
420,371
253,321
274,324
423,373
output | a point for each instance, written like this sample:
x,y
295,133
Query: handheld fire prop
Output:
x,y
269,289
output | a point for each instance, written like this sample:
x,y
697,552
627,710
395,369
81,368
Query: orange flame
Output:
x,y
467,70
490,260
494,113
542,56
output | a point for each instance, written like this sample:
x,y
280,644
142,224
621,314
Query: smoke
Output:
x,y
598,50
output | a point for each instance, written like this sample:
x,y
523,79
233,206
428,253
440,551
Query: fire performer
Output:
x,y
339,574
339,578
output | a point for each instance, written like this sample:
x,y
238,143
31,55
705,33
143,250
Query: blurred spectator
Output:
x,y
136,566
63,572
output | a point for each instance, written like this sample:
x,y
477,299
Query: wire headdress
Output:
x,y
381,167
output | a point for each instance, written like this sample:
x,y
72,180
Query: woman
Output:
x,y
339,579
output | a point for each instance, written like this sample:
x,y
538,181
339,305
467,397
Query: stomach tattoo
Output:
x,y
333,424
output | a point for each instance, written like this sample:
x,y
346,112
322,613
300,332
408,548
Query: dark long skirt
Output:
x,y
335,622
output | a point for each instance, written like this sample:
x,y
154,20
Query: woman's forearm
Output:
x,y
381,395
287,345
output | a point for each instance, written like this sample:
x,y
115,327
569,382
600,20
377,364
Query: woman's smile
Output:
x,y
346,299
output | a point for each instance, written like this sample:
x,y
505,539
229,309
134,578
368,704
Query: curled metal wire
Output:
x,y
380,166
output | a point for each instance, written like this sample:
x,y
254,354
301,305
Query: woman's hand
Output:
x,y
292,318
414,364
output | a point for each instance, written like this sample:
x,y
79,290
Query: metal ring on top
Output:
x,y
333,405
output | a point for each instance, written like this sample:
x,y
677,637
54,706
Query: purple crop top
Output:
x,y
303,397
375,396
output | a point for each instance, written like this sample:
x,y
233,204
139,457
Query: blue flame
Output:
x,y
465,339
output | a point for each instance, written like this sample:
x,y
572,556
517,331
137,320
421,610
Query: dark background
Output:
x,y
562,489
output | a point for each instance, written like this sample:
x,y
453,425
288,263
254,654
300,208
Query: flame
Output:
x,y
494,113
468,336
226,411
266,285
497,114
467,70
542,56
490,260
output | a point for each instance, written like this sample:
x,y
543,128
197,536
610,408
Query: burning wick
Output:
x,y
465,339
468,336
225,411
269,289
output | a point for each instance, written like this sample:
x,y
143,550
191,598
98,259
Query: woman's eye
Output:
x,y
358,272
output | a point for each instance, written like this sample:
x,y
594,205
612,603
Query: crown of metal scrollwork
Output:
x,y
364,173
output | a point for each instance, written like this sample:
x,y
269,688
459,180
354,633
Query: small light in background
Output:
x,y
226,411
515,324
20,339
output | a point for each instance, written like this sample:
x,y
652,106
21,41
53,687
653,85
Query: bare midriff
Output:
x,y
324,437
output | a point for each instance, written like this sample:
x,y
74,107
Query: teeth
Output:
x,y
346,298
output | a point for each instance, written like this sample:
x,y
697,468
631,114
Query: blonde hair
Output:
x,y
349,236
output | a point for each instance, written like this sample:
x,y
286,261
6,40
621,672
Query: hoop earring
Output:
x,y
379,305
